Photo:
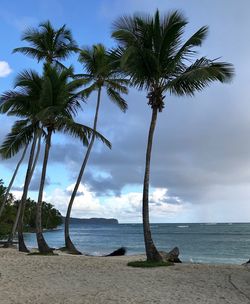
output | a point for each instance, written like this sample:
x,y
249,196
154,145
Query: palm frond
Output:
x,y
153,55
30,51
47,43
21,134
85,93
199,75
120,85
84,133
117,99
195,40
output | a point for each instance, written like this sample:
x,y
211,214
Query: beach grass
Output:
x,y
148,264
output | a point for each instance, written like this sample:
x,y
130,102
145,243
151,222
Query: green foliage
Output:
x,y
48,43
50,100
153,53
2,191
51,217
8,215
103,72
147,264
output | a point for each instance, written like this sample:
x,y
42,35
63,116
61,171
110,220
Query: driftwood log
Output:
x,y
171,256
118,252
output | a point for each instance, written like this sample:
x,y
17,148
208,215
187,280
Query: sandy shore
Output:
x,y
81,280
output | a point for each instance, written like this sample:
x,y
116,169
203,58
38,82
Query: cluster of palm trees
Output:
x,y
150,55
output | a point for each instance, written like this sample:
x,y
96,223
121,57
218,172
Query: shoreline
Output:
x,y
89,279
129,255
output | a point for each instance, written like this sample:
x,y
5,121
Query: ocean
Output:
x,y
199,243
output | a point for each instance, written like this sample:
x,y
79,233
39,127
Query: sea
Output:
x,y
217,243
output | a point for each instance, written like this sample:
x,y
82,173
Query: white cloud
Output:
x,y
5,69
17,194
126,208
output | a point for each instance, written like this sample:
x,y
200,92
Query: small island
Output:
x,y
94,221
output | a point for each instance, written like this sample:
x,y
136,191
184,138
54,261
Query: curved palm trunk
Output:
x,y
42,245
12,180
21,208
37,155
68,243
24,198
151,251
20,211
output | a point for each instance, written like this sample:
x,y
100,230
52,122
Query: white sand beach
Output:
x,y
81,280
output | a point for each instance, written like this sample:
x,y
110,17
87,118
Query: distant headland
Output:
x,y
94,221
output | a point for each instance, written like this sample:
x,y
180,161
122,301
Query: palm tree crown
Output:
x,y
47,43
157,59
23,102
61,99
101,72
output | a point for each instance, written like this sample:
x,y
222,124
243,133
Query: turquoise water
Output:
x,y
206,243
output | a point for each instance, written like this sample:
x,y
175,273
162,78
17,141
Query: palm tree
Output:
x,y
51,45
47,43
100,74
61,101
23,102
153,54
21,208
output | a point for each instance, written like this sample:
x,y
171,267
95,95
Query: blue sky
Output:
x,y
201,156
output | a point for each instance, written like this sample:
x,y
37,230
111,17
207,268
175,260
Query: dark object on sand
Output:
x,y
171,256
118,252
247,263
6,242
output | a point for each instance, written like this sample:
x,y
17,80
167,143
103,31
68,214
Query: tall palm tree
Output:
x,y
60,100
153,54
29,173
51,45
47,43
21,207
24,103
100,74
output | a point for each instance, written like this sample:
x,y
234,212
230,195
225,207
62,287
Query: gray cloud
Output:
x,y
35,181
195,150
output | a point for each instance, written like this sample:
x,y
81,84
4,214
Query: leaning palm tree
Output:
x,y
100,74
61,100
153,54
47,43
51,45
26,134
24,103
